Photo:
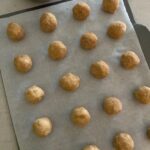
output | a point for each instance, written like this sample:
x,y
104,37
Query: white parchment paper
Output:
x,y
58,103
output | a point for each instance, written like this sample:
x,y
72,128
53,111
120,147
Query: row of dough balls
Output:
x,y
48,23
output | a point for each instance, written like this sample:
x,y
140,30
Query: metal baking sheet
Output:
x,y
58,103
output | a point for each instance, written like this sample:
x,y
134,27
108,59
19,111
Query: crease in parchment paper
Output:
x,y
58,103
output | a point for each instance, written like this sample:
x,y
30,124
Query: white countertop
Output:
x,y
141,14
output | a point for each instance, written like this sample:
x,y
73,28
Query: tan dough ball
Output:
x,y
42,126
116,30
110,6
88,41
123,141
148,132
57,50
48,22
23,63
112,105
100,69
34,94
81,11
129,60
80,116
70,82
15,31
142,94
91,147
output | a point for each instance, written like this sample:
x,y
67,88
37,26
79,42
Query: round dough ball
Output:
x,y
112,105
57,50
91,147
23,63
142,94
129,60
80,116
70,82
148,132
42,127
100,69
123,141
34,94
48,22
81,11
110,6
15,31
116,30
88,41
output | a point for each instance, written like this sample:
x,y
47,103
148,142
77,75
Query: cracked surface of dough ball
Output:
x,y
91,147
110,6
42,126
148,132
123,141
80,116
142,94
15,32
23,63
34,94
112,105
57,50
100,69
129,60
116,30
88,41
70,82
81,11
48,22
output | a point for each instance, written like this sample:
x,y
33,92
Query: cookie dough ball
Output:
x,y
81,11
112,105
15,31
110,6
57,50
80,116
129,60
148,132
116,30
48,22
88,41
23,63
142,94
99,69
91,147
123,141
70,82
34,94
42,127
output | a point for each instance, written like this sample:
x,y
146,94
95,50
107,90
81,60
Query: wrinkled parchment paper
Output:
x,y
58,103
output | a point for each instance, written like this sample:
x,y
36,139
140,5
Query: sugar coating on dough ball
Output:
x,y
112,105
99,69
148,133
70,82
48,22
23,63
81,11
110,6
116,30
88,41
80,116
123,141
129,60
15,32
34,94
42,126
142,94
91,147
57,50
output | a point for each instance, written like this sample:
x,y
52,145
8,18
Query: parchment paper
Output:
x,y
58,103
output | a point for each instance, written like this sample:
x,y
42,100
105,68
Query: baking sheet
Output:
x,y
58,103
